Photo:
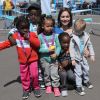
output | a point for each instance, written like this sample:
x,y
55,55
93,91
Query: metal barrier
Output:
x,y
6,19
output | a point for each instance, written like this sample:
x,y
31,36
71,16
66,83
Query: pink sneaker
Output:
x,y
56,92
48,89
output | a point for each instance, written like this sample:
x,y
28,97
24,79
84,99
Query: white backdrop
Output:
x,y
45,7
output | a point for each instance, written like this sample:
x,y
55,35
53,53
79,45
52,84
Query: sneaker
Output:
x,y
25,95
64,93
80,91
88,85
42,86
56,92
48,89
37,92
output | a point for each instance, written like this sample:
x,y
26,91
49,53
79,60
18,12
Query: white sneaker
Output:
x,y
64,93
80,91
88,85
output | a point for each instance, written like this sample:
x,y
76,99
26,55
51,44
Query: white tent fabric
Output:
x,y
66,3
45,7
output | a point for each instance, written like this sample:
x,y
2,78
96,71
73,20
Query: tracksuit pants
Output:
x,y
29,72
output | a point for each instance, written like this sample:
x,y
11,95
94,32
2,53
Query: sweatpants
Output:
x,y
50,70
81,72
29,72
67,79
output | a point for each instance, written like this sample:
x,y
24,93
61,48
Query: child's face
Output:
x,y
23,28
48,25
78,31
65,18
65,43
34,16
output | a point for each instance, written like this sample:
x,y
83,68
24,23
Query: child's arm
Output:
x,y
12,40
91,50
72,49
34,41
5,44
43,48
58,47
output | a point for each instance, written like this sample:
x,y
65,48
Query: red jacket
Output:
x,y
5,44
25,48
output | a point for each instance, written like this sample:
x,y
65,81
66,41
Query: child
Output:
x,y
34,11
67,77
79,42
49,50
27,44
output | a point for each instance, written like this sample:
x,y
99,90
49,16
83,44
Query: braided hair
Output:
x,y
22,19
41,24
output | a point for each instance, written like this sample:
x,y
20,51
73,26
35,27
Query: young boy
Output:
x,y
66,70
79,42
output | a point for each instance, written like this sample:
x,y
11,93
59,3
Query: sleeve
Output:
x,y
5,44
34,41
12,31
42,49
72,49
58,47
90,47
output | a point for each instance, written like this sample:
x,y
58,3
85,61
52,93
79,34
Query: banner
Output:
x,y
45,7
67,3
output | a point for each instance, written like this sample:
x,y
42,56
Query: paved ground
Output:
x,y
10,87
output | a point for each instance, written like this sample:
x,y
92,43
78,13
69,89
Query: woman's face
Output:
x,y
65,18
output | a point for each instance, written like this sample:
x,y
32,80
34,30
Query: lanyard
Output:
x,y
52,39
22,43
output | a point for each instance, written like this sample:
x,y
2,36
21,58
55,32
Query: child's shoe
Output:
x,y
56,91
25,95
48,89
88,85
37,92
64,93
42,86
80,91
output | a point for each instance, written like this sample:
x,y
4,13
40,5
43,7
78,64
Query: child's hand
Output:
x,y
64,63
26,36
51,48
86,53
12,40
61,68
53,56
73,62
92,58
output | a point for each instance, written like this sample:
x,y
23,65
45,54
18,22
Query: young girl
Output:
x,y
79,42
34,11
66,70
49,50
64,21
27,44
